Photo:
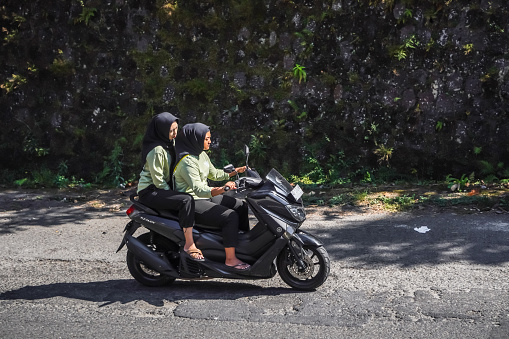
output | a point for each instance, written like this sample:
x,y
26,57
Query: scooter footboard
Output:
x,y
264,266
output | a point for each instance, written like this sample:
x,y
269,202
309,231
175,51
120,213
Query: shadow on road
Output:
x,y
388,239
126,291
22,209
394,239
18,221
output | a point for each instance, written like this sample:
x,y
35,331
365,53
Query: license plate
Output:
x,y
297,192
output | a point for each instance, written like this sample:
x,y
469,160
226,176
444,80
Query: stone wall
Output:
x,y
419,86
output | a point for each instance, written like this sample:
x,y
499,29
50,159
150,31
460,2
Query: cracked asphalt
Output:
x,y
395,275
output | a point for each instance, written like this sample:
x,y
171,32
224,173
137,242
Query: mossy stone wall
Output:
x,y
420,86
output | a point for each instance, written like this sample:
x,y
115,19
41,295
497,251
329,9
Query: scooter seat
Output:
x,y
167,214
170,214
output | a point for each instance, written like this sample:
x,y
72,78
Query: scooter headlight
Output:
x,y
297,212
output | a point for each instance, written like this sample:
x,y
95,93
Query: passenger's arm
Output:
x,y
156,162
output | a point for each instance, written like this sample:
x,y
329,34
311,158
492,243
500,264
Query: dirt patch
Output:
x,y
396,198
355,199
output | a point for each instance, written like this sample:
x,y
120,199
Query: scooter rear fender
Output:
x,y
129,230
166,227
154,260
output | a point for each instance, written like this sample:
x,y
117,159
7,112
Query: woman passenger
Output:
x,y
154,187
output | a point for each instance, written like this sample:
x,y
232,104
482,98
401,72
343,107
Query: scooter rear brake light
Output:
x,y
130,210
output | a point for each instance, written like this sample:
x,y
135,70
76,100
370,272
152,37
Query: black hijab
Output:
x,y
190,139
157,134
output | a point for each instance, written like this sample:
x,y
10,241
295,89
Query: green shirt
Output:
x,y
192,172
156,170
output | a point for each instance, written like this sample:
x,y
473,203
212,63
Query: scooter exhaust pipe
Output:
x,y
154,260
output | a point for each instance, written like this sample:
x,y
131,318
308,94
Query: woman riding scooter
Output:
x,y
211,206
158,161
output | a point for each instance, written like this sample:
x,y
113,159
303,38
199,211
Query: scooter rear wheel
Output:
x,y
143,273
314,275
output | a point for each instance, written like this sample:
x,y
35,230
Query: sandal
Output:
x,y
238,266
194,254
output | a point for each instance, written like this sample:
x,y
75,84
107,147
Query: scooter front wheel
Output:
x,y
310,277
143,273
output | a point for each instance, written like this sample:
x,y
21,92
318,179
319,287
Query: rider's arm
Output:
x,y
218,175
214,173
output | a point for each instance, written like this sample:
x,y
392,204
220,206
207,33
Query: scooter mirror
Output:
x,y
229,168
246,152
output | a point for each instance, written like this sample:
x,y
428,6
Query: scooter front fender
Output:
x,y
308,239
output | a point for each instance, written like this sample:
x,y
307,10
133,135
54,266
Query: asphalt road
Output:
x,y
428,275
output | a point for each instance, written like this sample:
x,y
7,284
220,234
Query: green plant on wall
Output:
x,y
430,45
400,52
12,83
258,152
305,36
407,15
384,153
494,26
372,131
411,42
86,13
300,73
61,68
169,8
353,77
31,146
199,88
16,80
468,48
11,34
389,4
300,115
490,74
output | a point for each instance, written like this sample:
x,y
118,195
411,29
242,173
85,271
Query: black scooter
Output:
x,y
275,244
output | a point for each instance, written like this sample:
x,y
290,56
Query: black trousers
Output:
x,y
226,213
170,200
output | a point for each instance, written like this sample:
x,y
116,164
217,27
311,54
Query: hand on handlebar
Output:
x,y
238,170
230,185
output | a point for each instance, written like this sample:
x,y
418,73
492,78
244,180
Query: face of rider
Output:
x,y
207,142
173,130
